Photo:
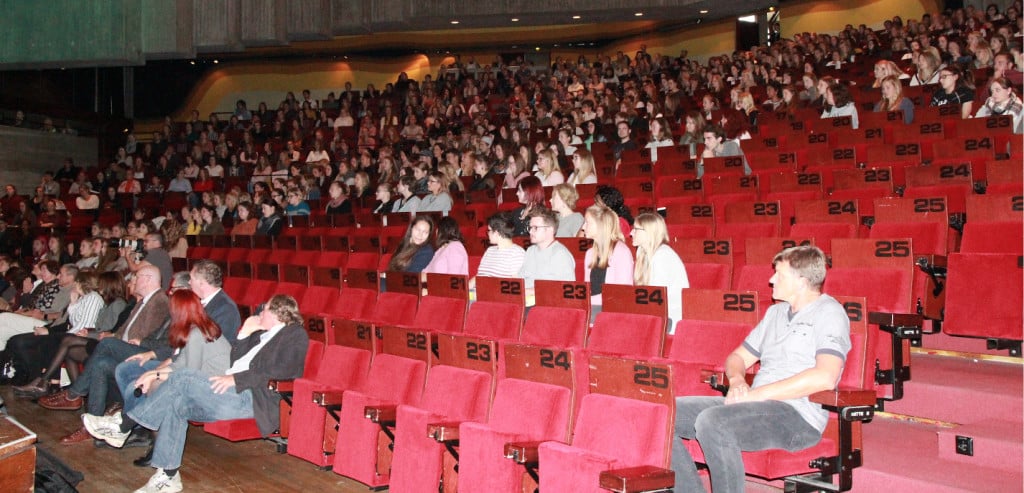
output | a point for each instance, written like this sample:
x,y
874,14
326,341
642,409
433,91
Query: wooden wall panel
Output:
x,y
309,20
217,25
263,22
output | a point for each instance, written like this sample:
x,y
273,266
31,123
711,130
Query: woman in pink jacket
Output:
x,y
608,260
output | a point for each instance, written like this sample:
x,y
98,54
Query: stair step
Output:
x,y
961,390
902,456
997,444
946,342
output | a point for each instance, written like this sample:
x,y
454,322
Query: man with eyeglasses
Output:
x,y
546,259
150,313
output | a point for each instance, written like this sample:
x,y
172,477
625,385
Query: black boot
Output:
x,y
144,460
140,437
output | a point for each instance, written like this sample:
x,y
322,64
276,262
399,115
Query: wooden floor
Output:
x,y
210,463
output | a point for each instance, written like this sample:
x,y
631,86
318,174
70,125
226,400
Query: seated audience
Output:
x,y
450,253
438,200
657,264
271,346
504,257
546,259
893,100
608,260
839,102
1003,101
774,412
415,252
954,90
563,202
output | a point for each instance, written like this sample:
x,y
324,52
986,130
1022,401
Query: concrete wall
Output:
x,y
26,154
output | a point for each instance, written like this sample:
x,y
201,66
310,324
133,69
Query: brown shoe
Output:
x,y
61,402
79,435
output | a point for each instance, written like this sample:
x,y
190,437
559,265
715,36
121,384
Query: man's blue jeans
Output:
x,y
185,396
99,372
724,431
126,373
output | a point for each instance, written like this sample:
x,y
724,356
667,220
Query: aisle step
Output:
x,y
996,444
961,390
902,456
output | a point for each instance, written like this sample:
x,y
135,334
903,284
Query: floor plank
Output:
x,y
210,464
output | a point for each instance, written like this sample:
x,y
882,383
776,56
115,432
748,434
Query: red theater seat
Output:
x,y
451,395
344,368
522,411
237,430
612,432
362,452
881,270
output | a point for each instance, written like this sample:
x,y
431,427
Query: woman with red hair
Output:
x,y
197,343
531,195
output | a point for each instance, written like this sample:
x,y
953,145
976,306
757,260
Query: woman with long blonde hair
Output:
x,y
608,260
547,168
657,264
583,168
893,100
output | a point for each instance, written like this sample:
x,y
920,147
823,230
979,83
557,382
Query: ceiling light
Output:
x,y
639,14
537,48
455,22
216,60
771,9
515,19
193,62
703,11
576,17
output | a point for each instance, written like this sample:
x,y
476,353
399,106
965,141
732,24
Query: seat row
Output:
x,y
368,415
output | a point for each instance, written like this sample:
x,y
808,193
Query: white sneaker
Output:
x,y
160,483
106,428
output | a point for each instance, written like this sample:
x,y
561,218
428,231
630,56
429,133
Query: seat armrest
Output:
x,y
638,479
851,405
717,380
844,398
327,398
382,414
901,324
523,452
281,386
444,432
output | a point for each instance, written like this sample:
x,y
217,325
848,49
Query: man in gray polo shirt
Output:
x,y
546,259
802,344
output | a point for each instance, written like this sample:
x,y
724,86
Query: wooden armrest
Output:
x,y
327,398
900,320
843,398
638,479
444,432
522,452
384,415
281,386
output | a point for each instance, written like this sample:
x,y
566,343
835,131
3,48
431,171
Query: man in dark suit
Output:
x,y
206,280
148,316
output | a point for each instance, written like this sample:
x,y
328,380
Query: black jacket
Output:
x,y
284,357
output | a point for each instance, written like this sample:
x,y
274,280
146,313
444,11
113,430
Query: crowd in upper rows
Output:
x,y
416,145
